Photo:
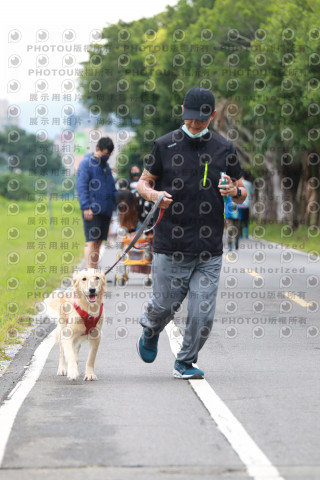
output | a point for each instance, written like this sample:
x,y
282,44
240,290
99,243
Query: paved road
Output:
x,y
137,421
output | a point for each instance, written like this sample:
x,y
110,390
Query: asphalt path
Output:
x,y
137,421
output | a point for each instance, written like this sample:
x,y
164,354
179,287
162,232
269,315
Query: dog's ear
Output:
x,y
104,282
75,280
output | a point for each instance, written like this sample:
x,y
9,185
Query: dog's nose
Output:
x,y
92,290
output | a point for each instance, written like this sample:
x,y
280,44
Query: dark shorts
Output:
x,y
97,229
244,215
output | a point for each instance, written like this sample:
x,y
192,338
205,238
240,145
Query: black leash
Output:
x,y
141,230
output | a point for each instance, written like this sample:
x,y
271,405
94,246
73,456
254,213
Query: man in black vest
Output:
x,y
185,165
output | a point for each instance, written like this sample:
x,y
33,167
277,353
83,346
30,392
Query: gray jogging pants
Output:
x,y
172,281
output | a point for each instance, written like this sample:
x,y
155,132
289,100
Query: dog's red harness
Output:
x,y
89,320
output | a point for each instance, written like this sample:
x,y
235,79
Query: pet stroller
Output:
x,y
139,258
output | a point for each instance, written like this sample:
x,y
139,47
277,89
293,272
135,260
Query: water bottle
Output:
x,y
223,182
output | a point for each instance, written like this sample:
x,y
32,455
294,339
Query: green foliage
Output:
x,y
130,155
138,78
36,257
22,186
29,167
144,68
15,186
20,150
286,63
302,238
262,56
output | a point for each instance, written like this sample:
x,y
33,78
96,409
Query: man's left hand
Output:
x,y
229,189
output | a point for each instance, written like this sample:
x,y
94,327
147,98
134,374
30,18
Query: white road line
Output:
x,y
298,300
257,464
252,273
11,406
292,296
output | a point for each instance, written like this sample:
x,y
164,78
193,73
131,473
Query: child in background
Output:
x,y
127,206
233,223
244,208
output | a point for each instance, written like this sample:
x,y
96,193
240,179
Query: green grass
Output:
x,y
36,257
306,239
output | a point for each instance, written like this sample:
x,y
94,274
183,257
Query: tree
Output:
x,y
22,151
286,102
260,58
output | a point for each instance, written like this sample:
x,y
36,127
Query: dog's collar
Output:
x,y
89,320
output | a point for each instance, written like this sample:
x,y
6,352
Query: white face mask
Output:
x,y
197,135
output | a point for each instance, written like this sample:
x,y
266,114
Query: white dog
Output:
x,y
81,317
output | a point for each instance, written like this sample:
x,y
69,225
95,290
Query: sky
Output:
x,y
37,37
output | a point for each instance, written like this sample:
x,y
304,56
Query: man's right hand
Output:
x,y
88,214
145,188
166,201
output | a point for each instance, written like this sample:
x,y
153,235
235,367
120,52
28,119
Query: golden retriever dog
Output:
x,y
81,318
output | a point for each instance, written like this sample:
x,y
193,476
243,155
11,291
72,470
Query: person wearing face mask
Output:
x,y
133,179
97,197
186,165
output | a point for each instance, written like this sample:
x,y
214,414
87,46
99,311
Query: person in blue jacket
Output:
x,y
97,196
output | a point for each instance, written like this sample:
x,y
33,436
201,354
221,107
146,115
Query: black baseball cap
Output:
x,y
198,104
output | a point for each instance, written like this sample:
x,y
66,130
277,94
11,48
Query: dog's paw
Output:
x,y
90,376
73,373
62,371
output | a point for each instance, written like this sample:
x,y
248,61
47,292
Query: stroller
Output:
x,y
139,258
